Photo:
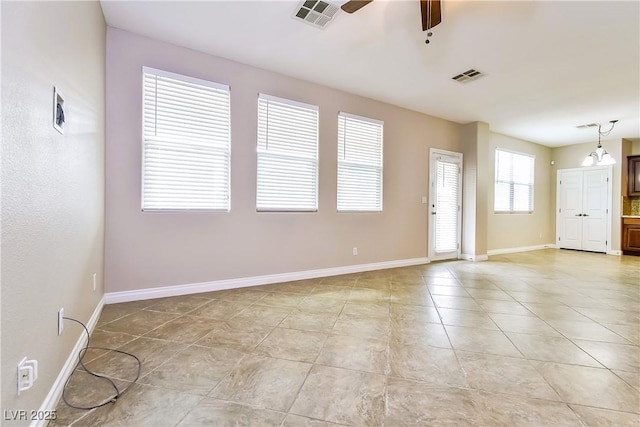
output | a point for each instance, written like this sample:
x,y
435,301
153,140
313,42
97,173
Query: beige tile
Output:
x,y
613,356
194,370
85,391
151,352
488,294
590,331
576,384
357,295
301,287
506,375
595,417
523,324
343,280
319,304
454,291
298,421
553,349
111,312
509,411
292,344
468,318
245,296
411,403
366,327
143,406
427,364
606,315
340,293
243,335
213,412
550,312
184,329
420,297
309,321
219,309
263,314
178,305
632,378
105,340
503,307
432,334
375,282
481,341
281,299
630,332
139,322
366,309
359,354
459,303
341,396
263,381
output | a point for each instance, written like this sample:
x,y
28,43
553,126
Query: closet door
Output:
x,y
594,210
570,191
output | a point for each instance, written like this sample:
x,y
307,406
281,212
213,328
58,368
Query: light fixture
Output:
x,y
600,157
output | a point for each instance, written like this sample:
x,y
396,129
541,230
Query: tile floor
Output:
x,y
539,338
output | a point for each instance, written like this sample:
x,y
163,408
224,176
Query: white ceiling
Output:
x,y
549,65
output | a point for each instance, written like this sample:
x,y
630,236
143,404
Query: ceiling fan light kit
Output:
x,y
429,9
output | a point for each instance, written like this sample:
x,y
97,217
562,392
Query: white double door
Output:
x,y
583,208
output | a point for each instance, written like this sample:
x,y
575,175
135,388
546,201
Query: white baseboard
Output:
x,y
55,393
243,282
520,249
614,252
470,257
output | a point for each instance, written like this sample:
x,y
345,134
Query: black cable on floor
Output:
x,y
81,355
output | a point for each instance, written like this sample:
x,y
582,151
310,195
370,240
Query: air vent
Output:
x,y
468,76
590,125
316,12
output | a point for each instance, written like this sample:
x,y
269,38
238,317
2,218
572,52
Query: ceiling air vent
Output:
x,y
316,12
468,76
590,125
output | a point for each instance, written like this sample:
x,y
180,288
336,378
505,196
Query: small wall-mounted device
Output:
x,y
58,111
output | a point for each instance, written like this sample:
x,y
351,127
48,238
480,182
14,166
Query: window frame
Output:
x,y
380,123
512,183
316,159
196,81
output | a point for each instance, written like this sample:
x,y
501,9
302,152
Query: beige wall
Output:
x,y
521,230
146,250
52,185
571,156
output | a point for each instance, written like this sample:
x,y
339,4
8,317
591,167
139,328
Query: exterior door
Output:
x,y
445,204
583,209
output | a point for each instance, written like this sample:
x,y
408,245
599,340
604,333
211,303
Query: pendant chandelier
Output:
x,y
600,157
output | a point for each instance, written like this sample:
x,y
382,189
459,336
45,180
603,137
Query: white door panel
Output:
x,y
445,193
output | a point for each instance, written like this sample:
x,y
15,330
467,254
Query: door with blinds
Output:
x,y
445,204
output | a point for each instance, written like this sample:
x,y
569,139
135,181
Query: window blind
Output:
x,y
359,163
446,226
514,182
287,175
186,143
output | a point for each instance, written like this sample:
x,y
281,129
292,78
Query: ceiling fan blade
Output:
x,y
431,15
354,5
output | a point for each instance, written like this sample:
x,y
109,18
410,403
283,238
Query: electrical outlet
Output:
x,y
60,321
355,251
95,281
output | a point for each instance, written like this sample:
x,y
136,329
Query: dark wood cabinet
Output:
x,y
633,179
631,236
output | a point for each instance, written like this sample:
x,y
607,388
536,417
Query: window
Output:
x,y
186,143
287,155
359,163
514,182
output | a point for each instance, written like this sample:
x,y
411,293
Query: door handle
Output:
x,y
585,214
578,214
433,213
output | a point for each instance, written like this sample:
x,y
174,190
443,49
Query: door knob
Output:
x,y
585,214
578,214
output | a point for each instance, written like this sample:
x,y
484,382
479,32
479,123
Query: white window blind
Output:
x,y
446,218
287,176
514,182
359,163
186,143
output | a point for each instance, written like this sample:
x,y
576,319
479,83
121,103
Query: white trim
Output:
x,y
50,402
614,252
361,118
286,101
243,282
474,258
188,79
519,249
